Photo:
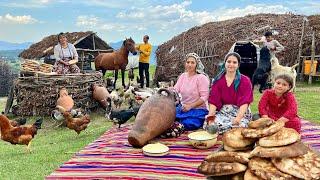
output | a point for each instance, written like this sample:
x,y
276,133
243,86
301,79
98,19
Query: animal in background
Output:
x,y
261,74
131,74
277,69
65,100
134,106
109,84
77,124
119,116
18,135
116,60
18,122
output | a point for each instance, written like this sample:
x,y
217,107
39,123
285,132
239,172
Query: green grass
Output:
x,y
53,146
152,70
50,148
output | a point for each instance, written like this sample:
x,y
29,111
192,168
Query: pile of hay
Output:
x,y
6,78
37,95
216,38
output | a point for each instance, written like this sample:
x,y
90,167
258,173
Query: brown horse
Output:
x,y
116,60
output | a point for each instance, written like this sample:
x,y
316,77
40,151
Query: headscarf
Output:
x,y
199,65
236,81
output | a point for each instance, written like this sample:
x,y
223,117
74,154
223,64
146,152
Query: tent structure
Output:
x,y
88,46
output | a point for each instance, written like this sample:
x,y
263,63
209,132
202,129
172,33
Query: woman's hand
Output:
x,y
283,119
236,121
186,107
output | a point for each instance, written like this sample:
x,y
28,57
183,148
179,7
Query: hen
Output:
x,y
78,124
18,135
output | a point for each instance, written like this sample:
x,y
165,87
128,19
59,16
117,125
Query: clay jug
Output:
x,y
155,116
100,94
65,100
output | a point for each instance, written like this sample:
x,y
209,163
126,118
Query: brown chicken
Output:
x,y
78,124
18,135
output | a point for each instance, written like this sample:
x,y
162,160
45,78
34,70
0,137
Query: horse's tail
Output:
x,y
97,62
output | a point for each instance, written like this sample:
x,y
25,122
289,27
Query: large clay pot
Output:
x,y
100,94
155,116
65,100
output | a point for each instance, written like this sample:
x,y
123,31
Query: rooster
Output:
x,y
119,116
18,135
19,122
78,124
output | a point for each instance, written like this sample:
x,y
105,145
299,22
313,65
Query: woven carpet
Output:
x,y
112,157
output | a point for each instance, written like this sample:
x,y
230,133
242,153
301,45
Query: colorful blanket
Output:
x,y
112,157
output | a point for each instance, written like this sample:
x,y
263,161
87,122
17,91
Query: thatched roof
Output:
x,y
83,40
218,37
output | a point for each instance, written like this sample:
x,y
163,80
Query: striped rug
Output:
x,y
112,157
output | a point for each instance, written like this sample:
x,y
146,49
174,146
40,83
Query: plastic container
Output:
x,y
307,67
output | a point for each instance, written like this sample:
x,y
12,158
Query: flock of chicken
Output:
x,y
16,132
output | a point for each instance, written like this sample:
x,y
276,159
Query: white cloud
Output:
x,y
167,17
10,19
28,4
90,21
123,4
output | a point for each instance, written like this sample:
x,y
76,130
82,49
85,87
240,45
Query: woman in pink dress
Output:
x,y
193,86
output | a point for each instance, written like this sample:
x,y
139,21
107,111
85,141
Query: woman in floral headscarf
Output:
x,y
230,97
193,86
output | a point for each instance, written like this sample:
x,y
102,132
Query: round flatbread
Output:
x,y
225,156
267,131
220,168
231,149
248,175
281,138
233,138
304,167
292,150
260,123
263,168
155,148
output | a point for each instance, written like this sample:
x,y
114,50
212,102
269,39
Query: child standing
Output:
x,y
280,104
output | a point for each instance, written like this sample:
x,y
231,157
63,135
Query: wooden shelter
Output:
x,y
37,95
213,40
88,46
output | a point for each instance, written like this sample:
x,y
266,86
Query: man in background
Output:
x,y
273,45
144,60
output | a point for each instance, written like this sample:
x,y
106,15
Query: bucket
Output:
x,y
307,67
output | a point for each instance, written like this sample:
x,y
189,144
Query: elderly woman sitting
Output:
x,y
66,56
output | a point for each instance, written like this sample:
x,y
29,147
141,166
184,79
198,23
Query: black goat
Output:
x,y
261,74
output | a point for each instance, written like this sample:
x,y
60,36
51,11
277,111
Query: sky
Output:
x,y
115,20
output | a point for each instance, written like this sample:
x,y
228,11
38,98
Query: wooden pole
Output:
x,y
93,42
9,100
312,57
300,49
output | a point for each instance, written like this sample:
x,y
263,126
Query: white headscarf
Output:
x,y
199,66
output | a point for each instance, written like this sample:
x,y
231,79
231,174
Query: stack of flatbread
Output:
x,y
278,153
46,68
36,66
233,140
30,65
223,163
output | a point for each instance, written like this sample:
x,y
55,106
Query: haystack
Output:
x,y
37,95
6,78
213,41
